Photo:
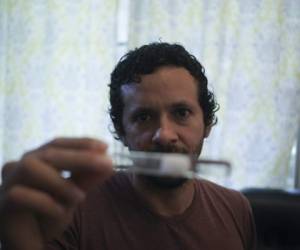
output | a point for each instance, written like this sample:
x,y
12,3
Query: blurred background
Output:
x,y
56,57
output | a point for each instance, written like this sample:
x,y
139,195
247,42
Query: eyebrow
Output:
x,y
151,110
142,109
181,104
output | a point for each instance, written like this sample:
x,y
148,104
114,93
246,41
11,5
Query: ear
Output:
x,y
207,131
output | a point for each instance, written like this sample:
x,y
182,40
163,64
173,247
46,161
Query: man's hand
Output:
x,y
36,202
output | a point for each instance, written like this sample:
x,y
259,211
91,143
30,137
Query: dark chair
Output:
x,y
277,218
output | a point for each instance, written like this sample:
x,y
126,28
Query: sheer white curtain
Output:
x,y
251,52
56,57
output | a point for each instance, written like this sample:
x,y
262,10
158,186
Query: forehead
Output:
x,y
165,85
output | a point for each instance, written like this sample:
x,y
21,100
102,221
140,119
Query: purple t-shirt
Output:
x,y
113,217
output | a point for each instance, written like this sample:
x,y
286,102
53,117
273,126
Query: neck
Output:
x,y
165,202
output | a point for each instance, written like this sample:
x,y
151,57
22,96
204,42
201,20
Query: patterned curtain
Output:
x,y
251,52
55,61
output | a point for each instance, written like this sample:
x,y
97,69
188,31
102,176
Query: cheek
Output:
x,y
192,138
137,140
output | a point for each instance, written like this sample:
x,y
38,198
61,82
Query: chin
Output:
x,y
166,183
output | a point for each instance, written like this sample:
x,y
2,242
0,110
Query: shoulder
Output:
x,y
215,189
228,197
233,207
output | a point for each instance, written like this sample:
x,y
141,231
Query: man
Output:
x,y
159,103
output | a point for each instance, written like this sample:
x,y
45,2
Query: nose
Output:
x,y
165,133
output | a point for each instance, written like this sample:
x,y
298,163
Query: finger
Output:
x,y
25,198
8,170
36,174
78,143
76,161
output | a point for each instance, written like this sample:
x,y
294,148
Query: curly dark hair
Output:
x,y
145,60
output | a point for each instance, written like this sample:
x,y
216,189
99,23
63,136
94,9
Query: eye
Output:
x,y
142,117
182,113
